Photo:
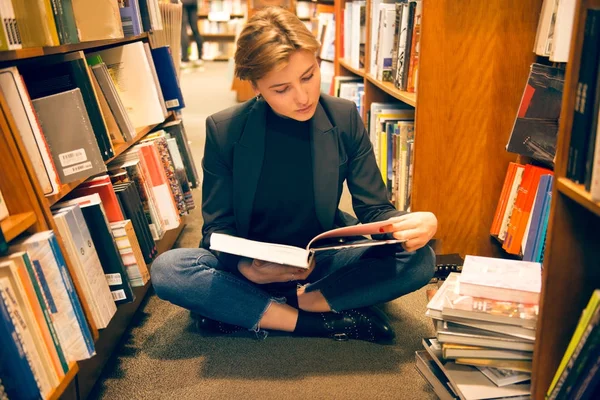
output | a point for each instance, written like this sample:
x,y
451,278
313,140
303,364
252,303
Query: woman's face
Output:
x,y
294,90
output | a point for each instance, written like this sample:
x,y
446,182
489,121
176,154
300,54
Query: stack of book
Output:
x,y
485,320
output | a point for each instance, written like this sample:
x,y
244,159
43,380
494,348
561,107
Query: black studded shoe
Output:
x,y
210,325
368,323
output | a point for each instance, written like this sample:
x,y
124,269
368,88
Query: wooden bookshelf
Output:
x,y
29,209
577,193
571,270
140,133
14,225
474,61
344,64
31,52
65,383
90,370
66,188
389,88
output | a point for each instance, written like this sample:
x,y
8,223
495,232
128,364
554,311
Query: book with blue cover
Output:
x,y
131,18
167,77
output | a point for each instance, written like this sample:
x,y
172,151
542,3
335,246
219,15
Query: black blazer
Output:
x,y
341,151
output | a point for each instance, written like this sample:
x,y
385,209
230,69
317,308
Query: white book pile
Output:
x,y
485,320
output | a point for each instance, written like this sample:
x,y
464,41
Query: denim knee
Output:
x,y
161,273
424,265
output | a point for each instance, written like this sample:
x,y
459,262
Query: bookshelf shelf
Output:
x,y
389,88
69,376
577,193
31,52
140,133
14,225
90,370
345,65
65,189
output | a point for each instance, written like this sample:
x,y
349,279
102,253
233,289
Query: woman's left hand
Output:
x,y
415,228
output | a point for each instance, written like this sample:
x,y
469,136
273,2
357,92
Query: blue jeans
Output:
x,y
347,278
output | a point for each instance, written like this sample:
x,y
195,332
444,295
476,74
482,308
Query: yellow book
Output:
x,y
584,321
513,365
36,23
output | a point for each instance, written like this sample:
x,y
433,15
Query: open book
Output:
x,y
297,256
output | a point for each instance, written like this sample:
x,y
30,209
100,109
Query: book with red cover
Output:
x,y
500,209
523,205
103,186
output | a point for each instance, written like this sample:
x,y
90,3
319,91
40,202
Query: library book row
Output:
x,y
394,45
44,23
108,225
485,322
77,111
391,129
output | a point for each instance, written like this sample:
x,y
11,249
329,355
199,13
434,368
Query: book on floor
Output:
x,y
297,256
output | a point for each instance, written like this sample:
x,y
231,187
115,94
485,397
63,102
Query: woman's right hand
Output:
x,y
262,272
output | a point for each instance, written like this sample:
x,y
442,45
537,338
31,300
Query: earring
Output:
x,y
258,96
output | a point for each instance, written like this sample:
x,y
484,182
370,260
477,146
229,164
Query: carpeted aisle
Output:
x,y
162,357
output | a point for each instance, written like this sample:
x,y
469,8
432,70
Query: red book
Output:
x,y
104,188
501,208
523,205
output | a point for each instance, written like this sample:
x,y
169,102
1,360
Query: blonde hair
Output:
x,y
268,40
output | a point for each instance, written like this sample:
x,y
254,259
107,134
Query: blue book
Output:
x,y
60,261
15,372
131,18
536,218
167,77
540,245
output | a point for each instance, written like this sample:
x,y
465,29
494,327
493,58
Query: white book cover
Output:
x,y
387,27
132,75
28,330
84,258
500,279
510,204
27,124
65,320
474,385
562,31
543,30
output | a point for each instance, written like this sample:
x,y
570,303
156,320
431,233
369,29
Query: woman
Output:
x,y
274,169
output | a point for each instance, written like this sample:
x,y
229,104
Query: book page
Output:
x,y
372,228
276,253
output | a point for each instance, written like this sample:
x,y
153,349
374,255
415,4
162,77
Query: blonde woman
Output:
x,y
274,168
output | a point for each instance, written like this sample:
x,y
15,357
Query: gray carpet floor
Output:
x,y
163,357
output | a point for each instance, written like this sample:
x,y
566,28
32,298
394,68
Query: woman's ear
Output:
x,y
255,89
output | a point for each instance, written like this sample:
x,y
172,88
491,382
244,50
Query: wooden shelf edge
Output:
x,y
231,16
69,376
577,193
66,188
140,133
359,72
31,52
14,225
389,88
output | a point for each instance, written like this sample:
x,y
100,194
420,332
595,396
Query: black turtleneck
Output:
x,y
284,204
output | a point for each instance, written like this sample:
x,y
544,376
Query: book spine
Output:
x,y
586,85
83,327
47,317
24,339
15,365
